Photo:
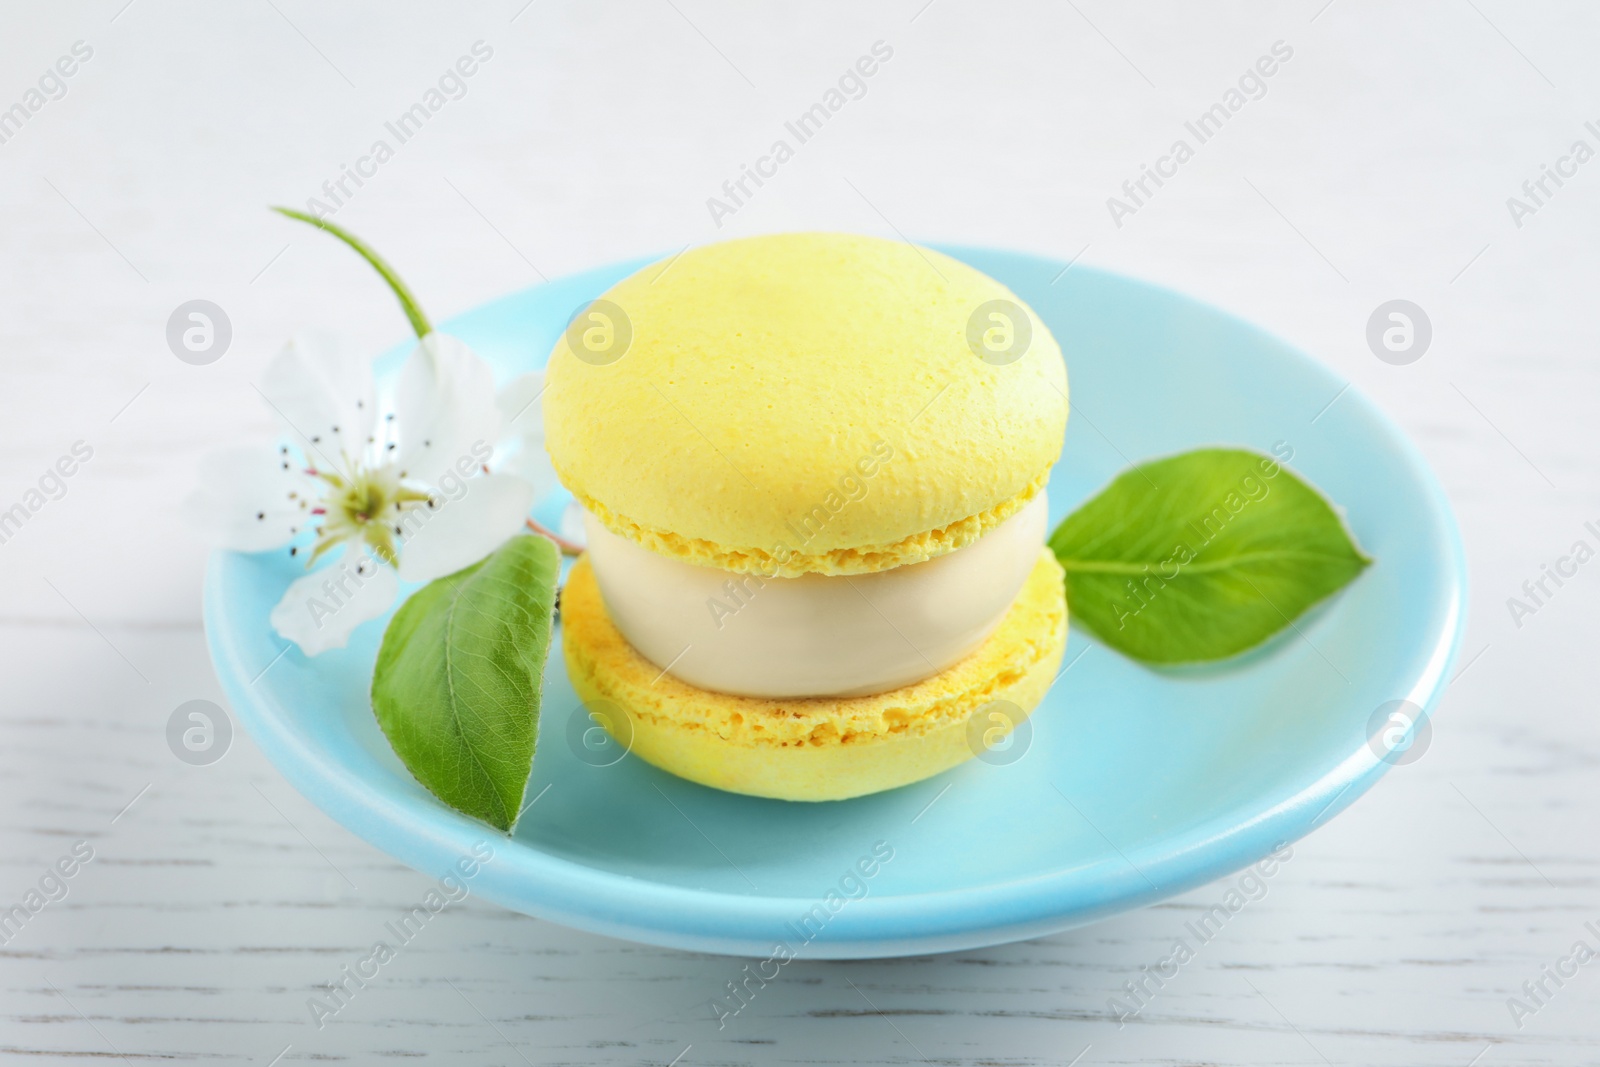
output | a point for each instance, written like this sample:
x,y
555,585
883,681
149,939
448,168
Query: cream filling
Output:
x,y
816,635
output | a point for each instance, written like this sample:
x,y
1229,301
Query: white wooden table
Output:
x,y
1376,166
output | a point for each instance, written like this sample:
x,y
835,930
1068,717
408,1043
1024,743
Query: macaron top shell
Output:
x,y
805,403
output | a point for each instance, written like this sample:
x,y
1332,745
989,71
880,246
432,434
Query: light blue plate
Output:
x,y
1138,785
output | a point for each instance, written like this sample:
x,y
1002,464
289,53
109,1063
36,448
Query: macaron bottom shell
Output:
x,y
817,748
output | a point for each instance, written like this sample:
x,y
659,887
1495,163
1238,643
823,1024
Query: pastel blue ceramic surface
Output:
x,y
1137,785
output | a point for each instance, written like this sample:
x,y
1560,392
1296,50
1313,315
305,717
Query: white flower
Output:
x,y
524,432
408,493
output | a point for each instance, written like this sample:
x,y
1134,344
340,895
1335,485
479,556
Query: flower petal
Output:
x,y
324,395
518,403
523,433
571,526
319,611
461,531
446,410
244,501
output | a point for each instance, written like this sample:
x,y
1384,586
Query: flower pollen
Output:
x,y
359,507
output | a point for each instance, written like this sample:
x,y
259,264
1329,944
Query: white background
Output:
x,y
1376,167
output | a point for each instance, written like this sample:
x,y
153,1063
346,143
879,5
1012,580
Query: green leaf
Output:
x,y
402,292
1201,556
456,687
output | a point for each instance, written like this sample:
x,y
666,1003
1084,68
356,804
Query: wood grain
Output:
x,y
219,900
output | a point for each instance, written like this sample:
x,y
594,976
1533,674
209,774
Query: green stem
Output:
x,y
408,302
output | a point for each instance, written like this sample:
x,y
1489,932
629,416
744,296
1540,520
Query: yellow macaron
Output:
x,y
814,467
